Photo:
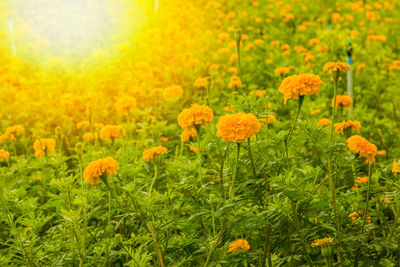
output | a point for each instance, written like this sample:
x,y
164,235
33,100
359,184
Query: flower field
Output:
x,y
199,133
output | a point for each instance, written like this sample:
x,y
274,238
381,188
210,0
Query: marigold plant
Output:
x,y
149,154
237,127
300,85
196,115
362,147
105,166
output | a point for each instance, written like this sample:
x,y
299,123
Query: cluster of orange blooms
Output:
x,y
239,244
43,146
336,67
196,115
150,153
361,146
343,126
9,133
237,127
97,168
4,155
300,85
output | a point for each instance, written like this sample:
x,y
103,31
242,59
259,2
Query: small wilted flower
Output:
x,y
124,105
336,67
237,127
396,167
112,132
343,101
323,242
361,146
344,126
324,122
196,115
239,244
43,146
4,155
150,153
97,168
300,85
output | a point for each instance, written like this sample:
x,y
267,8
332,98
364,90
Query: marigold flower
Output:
x,y
194,149
271,119
186,134
324,242
315,111
324,122
377,38
4,155
313,41
336,66
361,146
200,82
281,71
361,67
196,115
259,93
82,124
89,136
112,132
173,91
164,139
150,153
344,125
362,180
300,85
93,172
124,105
43,146
357,215
235,82
343,101
396,167
98,125
237,127
11,131
239,244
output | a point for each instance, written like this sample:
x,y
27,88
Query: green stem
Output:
x,y
221,170
296,221
287,140
199,156
235,171
251,159
154,178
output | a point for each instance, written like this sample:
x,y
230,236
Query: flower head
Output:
x,y
315,111
200,82
173,91
300,85
396,167
186,134
343,101
4,155
239,244
235,82
324,122
344,126
82,124
97,168
12,130
124,105
237,127
112,132
361,146
271,119
196,115
150,153
324,242
43,146
89,136
336,67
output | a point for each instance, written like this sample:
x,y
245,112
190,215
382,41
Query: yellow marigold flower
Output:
x,y
315,111
259,93
362,180
343,101
300,85
201,82
396,167
313,41
233,70
125,105
112,132
89,136
235,82
194,149
271,119
186,134
237,127
323,48
239,244
196,115
361,146
223,36
378,38
97,168
12,130
43,146
233,58
361,67
336,66
4,155
82,124
3,138
285,47
324,122
344,125
258,41
281,71
324,242
150,153
173,91
98,125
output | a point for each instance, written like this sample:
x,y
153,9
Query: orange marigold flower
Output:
x,y
396,167
315,111
300,85
324,242
362,180
12,130
324,122
361,67
343,101
259,93
150,153
271,119
336,66
112,132
97,168
194,149
173,91
82,124
345,125
186,134
378,38
239,244
164,139
237,127
4,155
196,115
361,146
124,105
281,71
89,136
235,82
43,146
200,82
